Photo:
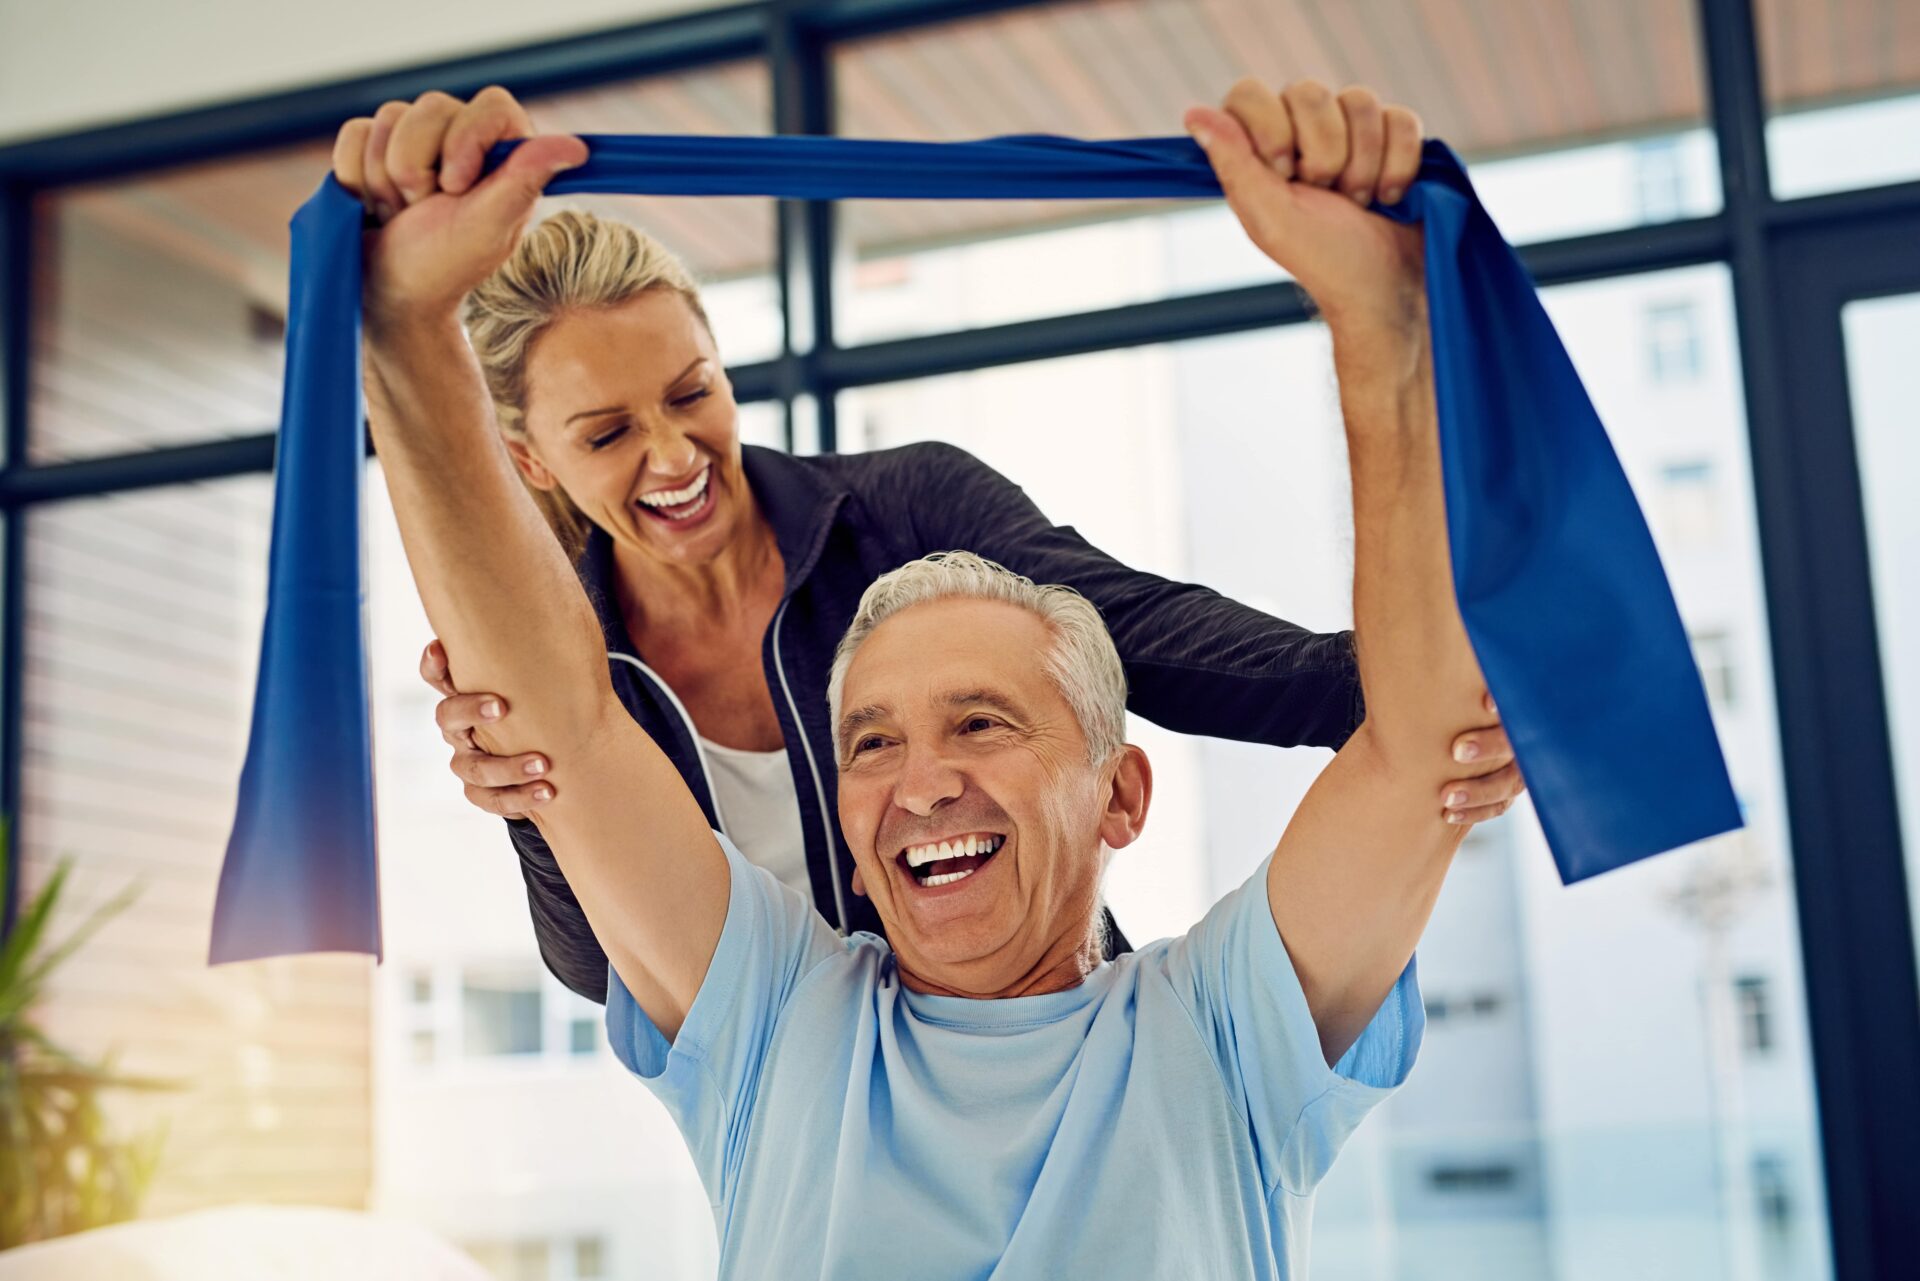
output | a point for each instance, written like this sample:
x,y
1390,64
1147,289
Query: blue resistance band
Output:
x,y
1564,597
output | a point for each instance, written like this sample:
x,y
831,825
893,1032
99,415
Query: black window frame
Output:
x,y
1793,263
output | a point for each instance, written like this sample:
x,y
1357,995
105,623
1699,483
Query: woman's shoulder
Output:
x,y
921,460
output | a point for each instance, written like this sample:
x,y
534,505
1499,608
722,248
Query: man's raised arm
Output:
x,y
1355,877
497,588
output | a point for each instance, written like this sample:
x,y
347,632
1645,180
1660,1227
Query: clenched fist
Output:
x,y
440,229
1300,169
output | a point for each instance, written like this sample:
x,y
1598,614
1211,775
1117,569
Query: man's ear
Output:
x,y
859,886
530,465
1128,795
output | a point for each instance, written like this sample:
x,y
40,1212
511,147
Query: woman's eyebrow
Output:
x,y
621,409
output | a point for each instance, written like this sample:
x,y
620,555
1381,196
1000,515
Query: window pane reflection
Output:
x,y
160,301
142,633
1577,116
1616,1077
521,1135
1882,335
1842,81
727,241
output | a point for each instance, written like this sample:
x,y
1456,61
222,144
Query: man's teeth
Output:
x,y
941,878
921,855
675,497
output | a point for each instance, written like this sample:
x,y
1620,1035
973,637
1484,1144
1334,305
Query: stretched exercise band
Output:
x,y
1564,597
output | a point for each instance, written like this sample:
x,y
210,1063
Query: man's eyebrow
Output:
x,y
985,698
621,409
853,722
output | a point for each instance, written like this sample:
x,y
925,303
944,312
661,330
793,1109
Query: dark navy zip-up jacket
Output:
x,y
1195,662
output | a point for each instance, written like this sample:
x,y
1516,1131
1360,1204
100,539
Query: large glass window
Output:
x,y
1843,81
503,1124
1615,1081
161,300
1882,335
160,303
459,1086
142,636
727,241
1579,117
1575,1032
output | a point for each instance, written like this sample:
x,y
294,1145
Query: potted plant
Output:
x,y
62,1168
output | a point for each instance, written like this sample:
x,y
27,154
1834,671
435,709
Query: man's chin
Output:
x,y
959,955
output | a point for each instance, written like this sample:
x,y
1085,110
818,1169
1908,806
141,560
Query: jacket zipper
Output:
x,y
699,752
819,792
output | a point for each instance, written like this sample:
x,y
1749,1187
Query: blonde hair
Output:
x,y
1082,661
569,260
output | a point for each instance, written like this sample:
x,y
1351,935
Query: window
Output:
x,y
583,1035
1754,1001
1686,506
1461,1009
1673,342
138,667
541,1258
501,1015
1472,1178
1660,179
924,266
1882,335
1772,1193
1713,652
1536,1097
1840,80
589,1259
516,1260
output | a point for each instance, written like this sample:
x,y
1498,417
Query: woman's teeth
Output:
x,y
663,500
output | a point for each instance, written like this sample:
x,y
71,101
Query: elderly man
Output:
x,y
981,1094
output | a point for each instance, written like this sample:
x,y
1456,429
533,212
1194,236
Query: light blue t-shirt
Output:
x,y
1169,1117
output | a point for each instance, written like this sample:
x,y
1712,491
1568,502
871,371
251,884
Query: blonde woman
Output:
x,y
724,575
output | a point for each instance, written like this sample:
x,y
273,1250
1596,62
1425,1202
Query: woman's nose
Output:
x,y
673,456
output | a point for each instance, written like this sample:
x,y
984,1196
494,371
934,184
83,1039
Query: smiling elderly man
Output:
x,y
980,1094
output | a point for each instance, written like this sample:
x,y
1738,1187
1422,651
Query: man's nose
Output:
x,y
927,781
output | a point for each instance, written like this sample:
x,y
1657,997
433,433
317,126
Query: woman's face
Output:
x,y
630,413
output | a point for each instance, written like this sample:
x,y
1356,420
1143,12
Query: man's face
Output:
x,y
952,731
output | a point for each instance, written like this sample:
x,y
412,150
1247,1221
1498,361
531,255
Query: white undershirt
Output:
x,y
760,810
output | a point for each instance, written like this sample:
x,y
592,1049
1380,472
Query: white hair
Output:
x,y
1082,660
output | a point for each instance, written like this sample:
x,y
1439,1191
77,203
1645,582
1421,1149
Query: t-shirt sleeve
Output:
x,y
708,1075
1233,972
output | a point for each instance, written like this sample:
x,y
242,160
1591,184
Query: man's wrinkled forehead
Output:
x,y
945,652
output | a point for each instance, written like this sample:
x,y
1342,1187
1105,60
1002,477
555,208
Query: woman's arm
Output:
x,y
630,839
1197,662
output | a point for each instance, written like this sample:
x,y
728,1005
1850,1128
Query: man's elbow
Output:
x,y
1415,753
559,718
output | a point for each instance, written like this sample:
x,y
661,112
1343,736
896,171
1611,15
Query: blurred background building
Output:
x,y
1686,1069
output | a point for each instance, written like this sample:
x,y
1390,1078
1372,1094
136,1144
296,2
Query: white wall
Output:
x,y
79,63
